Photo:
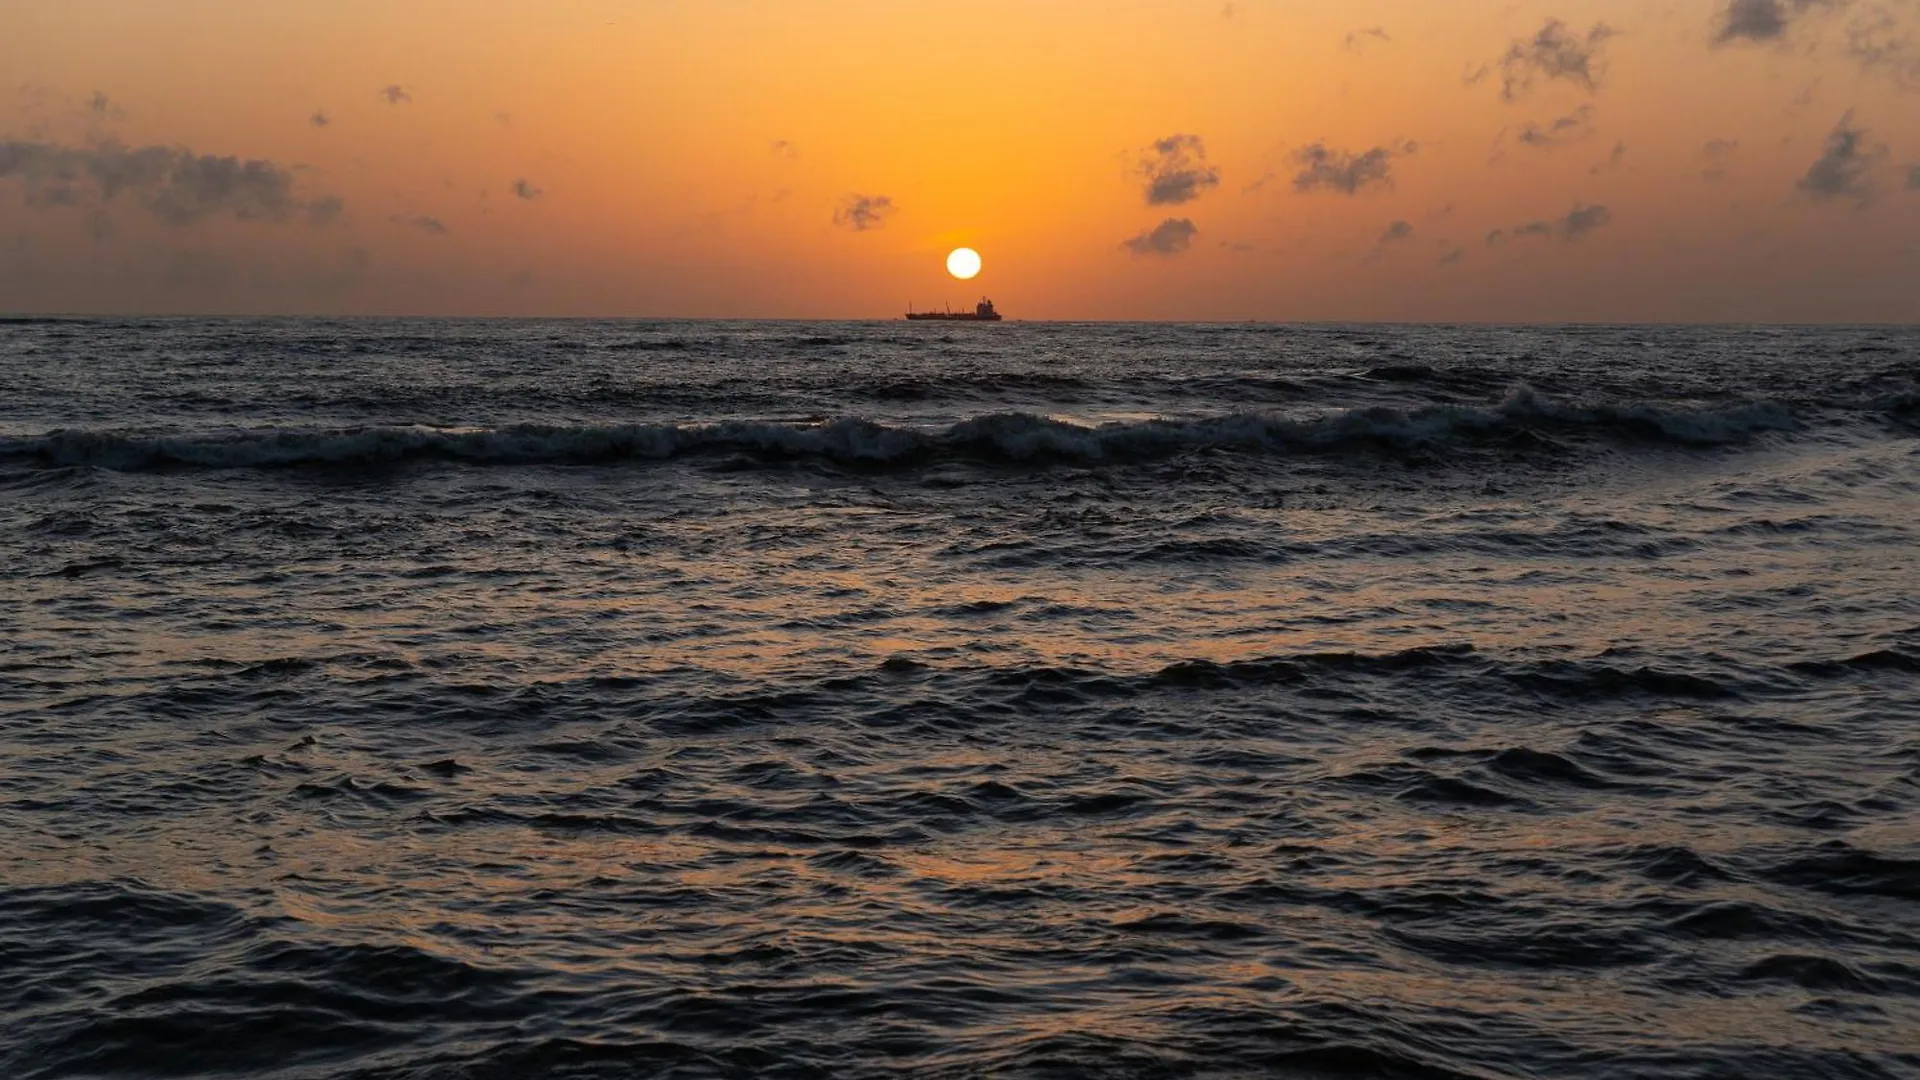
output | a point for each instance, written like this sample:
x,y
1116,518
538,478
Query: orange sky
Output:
x,y
1669,160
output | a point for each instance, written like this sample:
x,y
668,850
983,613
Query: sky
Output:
x,y
1657,161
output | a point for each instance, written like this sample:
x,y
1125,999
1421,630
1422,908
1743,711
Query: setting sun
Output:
x,y
963,263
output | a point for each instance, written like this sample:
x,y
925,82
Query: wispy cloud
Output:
x,y
1553,53
783,148
1323,168
1718,153
1176,171
395,94
425,224
1579,222
1576,126
524,189
319,119
863,212
1845,166
1358,40
1170,237
1612,161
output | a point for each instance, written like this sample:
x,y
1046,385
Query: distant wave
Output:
x,y
1009,438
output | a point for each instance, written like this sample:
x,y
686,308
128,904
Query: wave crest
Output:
x,y
1010,438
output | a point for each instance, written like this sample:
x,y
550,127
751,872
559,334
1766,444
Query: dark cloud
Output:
x,y
1396,232
395,94
1496,237
1842,171
1578,223
524,189
1357,40
1613,160
785,149
1170,237
1453,254
176,185
1913,178
1576,126
863,212
1760,20
1554,52
1325,169
1176,171
319,119
425,224
100,105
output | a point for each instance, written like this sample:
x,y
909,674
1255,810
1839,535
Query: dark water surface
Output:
x,y
519,699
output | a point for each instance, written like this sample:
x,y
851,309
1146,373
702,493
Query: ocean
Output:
x,y
439,698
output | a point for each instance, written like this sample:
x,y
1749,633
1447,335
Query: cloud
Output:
x,y
1176,170
1396,232
1717,152
100,105
426,224
325,210
1170,237
1357,40
1326,169
319,119
785,149
863,212
1574,127
524,189
174,184
1874,42
1842,169
1913,178
1578,223
1613,160
1554,52
1453,254
395,94
1760,20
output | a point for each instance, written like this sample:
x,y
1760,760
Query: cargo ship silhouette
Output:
x,y
982,312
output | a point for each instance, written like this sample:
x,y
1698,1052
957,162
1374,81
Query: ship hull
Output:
x,y
941,316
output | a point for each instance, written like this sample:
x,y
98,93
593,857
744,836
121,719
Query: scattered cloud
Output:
x,y
101,105
524,189
319,119
1874,42
1717,152
1358,40
1176,171
1396,232
1612,162
426,224
1842,171
325,210
863,212
1576,224
395,94
1325,169
1574,127
1453,254
1170,237
1760,20
174,184
783,148
1553,53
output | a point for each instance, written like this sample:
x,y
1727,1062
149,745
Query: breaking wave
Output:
x,y
1009,438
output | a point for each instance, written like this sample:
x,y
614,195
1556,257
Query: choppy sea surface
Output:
x,y
434,699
